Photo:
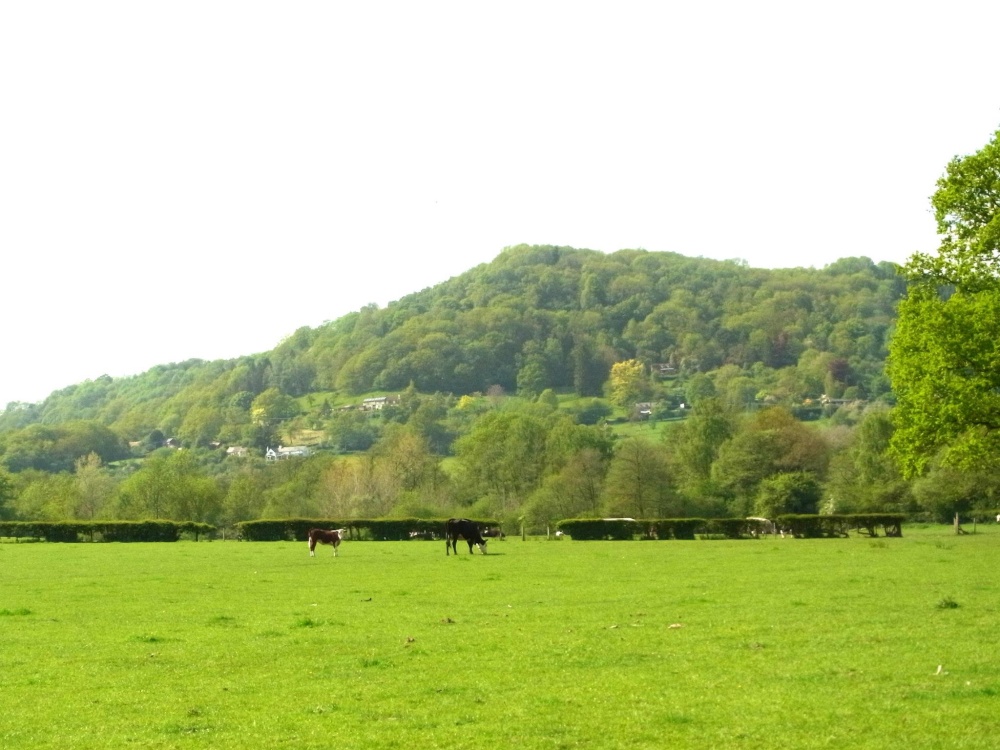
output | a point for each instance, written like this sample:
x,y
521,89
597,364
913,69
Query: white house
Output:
x,y
289,451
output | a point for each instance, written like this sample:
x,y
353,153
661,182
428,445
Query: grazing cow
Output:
x,y
332,537
494,533
467,530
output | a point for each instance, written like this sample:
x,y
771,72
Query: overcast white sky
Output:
x,y
200,179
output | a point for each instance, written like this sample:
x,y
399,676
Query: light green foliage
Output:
x,y
645,645
967,210
574,491
244,500
696,442
549,398
503,457
628,384
699,387
47,497
864,477
95,488
271,406
639,484
170,485
6,494
945,365
770,442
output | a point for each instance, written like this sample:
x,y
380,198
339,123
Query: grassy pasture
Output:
x,y
748,644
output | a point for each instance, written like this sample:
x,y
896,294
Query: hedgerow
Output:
x,y
104,531
801,526
367,529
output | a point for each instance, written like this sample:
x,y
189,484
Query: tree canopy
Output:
x,y
944,360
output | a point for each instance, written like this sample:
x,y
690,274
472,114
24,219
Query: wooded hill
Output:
x,y
534,318
516,390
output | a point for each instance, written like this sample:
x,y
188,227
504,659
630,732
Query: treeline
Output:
x,y
519,460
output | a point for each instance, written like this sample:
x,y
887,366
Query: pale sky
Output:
x,y
200,179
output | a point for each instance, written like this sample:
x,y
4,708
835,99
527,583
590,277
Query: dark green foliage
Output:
x,y
676,528
803,526
591,411
108,531
55,448
731,528
382,529
142,531
869,523
352,431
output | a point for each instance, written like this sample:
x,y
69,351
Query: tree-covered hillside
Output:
x,y
534,318
548,384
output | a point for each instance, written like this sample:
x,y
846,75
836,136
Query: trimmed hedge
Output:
x,y
358,529
108,531
675,528
800,526
817,527
730,528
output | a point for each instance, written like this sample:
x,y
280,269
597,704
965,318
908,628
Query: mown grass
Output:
x,y
751,644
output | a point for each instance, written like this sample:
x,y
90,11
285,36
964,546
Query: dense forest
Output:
x,y
550,383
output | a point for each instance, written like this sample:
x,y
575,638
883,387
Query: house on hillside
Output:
x,y
236,450
644,409
378,402
289,451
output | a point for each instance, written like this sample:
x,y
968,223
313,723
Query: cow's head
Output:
x,y
482,547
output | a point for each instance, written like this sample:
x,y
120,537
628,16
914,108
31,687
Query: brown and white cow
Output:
x,y
467,530
325,536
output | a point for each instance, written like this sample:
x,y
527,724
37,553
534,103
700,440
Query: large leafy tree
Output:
x,y
944,359
638,483
502,458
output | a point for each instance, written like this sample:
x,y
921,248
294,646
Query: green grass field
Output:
x,y
703,644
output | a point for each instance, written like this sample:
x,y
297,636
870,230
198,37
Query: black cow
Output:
x,y
494,533
467,530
